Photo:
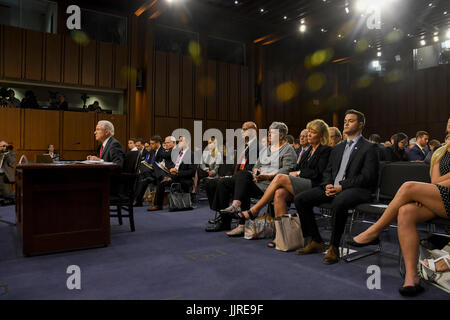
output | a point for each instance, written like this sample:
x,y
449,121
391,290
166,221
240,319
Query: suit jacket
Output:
x,y
314,167
390,155
9,163
114,152
186,170
251,154
362,167
416,154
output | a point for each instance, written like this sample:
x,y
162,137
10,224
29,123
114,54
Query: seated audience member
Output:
x,y
430,154
95,107
397,152
110,149
29,101
391,140
433,144
306,175
376,139
290,139
414,203
412,143
211,160
297,146
277,158
7,177
147,169
219,190
335,136
387,144
12,98
51,152
264,142
420,150
131,145
349,179
182,172
61,103
304,144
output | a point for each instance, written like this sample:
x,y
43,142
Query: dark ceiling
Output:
x,y
269,21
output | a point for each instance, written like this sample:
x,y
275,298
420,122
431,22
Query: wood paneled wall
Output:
x,y
418,101
72,133
38,56
217,94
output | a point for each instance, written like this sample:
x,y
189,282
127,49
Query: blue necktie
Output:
x,y
345,157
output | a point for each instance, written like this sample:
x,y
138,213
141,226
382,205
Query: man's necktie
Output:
x,y
345,157
101,151
300,155
242,160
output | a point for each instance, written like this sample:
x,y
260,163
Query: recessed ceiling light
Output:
x,y
430,4
423,42
354,41
261,10
236,2
379,54
285,17
302,28
339,36
445,12
436,39
347,10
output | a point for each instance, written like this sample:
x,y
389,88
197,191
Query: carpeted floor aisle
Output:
x,y
170,257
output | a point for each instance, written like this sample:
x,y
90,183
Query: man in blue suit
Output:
x,y
420,149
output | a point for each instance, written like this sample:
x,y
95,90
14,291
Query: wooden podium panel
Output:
x,y
10,126
62,206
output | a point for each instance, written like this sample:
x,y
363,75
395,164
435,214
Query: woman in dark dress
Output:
x,y
397,152
416,202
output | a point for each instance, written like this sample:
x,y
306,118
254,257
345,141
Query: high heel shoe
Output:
x,y
232,212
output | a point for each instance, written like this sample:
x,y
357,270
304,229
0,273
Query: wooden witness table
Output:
x,y
63,206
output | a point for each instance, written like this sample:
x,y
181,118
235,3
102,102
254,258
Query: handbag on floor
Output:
x,y
179,200
288,233
260,228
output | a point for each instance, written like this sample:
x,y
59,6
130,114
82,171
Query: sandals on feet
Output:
x,y
249,215
432,262
236,232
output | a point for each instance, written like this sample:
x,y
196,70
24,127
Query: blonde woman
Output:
x,y
306,174
211,159
416,202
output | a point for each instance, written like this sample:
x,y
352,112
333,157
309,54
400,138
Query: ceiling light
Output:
x,y
302,21
436,39
261,10
379,54
398,58
445,12
430,4
422,42
302,28
285,17
354,41
347,10
375,64
236,2
339,36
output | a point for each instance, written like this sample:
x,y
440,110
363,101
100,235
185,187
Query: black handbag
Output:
x,y
179,200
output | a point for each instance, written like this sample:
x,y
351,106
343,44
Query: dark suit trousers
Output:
x,y
347,199
5,188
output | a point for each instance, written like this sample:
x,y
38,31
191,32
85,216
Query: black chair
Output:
x,y
127,180
392,176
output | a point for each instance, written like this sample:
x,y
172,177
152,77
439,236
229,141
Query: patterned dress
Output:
x,y
444,167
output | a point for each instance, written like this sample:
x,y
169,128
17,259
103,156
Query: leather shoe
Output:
x,y
411,291
332,255
233,212
213,221
219,226
353,243
154,208
312,247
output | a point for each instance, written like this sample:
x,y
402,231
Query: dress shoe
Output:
x,y
312,247
215,220
353,243
219,226
332,255
154,208
411,291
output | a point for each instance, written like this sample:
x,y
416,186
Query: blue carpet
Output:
x,y
170,257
